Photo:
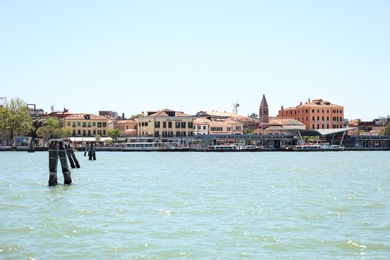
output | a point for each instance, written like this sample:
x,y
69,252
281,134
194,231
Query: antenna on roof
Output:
x,y
235,108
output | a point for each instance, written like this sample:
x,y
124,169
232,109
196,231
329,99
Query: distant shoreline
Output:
x,y
119,149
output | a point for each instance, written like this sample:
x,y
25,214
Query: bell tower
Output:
x,y
263,112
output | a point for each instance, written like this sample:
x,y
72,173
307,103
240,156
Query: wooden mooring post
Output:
x,y
57,151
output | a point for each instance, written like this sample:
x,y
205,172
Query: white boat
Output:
x,y
318,147
148,144
233,148
141,146
331,147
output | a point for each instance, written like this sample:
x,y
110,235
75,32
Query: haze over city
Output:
x,y
132,56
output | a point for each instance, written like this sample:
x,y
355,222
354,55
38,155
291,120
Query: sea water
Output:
x,y
197,205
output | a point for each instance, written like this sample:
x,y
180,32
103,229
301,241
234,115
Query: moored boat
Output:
x,y
233,148
318,147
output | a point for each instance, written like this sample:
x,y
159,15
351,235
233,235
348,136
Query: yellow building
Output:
x,y
86,125
165,124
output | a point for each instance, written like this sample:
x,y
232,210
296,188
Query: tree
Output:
x,y
387,128
254,116
248,131
114,133
52,129
15,118
136,116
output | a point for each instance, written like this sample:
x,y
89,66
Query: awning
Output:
x,y
88,139
314,132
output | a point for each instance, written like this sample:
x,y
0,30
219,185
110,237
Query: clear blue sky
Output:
x,y
134,56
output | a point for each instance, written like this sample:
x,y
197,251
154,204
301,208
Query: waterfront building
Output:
x,y
248,122
165,123
127,127
201,126
226,127
215,115
280,126
315,114
85,125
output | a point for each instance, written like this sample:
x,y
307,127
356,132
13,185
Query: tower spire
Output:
x,y
263,111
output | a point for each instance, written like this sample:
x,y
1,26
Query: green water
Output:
x,y
264,205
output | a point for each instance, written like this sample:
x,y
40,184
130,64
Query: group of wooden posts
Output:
x,y
61,149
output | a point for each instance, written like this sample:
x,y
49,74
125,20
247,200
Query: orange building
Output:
x,y
317,114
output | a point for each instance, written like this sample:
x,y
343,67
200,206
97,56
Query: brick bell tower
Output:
x,y
263,112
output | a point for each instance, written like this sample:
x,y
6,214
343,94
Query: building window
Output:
x,y
78,123
68,123
104,124
190,125
84,124
93,123
157,124
89,124
156,133
177,133
94,132
99,124
164,124
170,125
183,124
177,124
228,128
78,132
204,127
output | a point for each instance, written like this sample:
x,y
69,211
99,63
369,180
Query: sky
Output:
x,y
134,56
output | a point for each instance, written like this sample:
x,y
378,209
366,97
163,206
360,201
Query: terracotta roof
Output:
x,y
318,102
245,118
217,113
166,112
82,117
285,122
201,120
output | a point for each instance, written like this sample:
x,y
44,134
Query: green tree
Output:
x,y
136,116
15,118
51,128
387,129
254,116
248,131
114,133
